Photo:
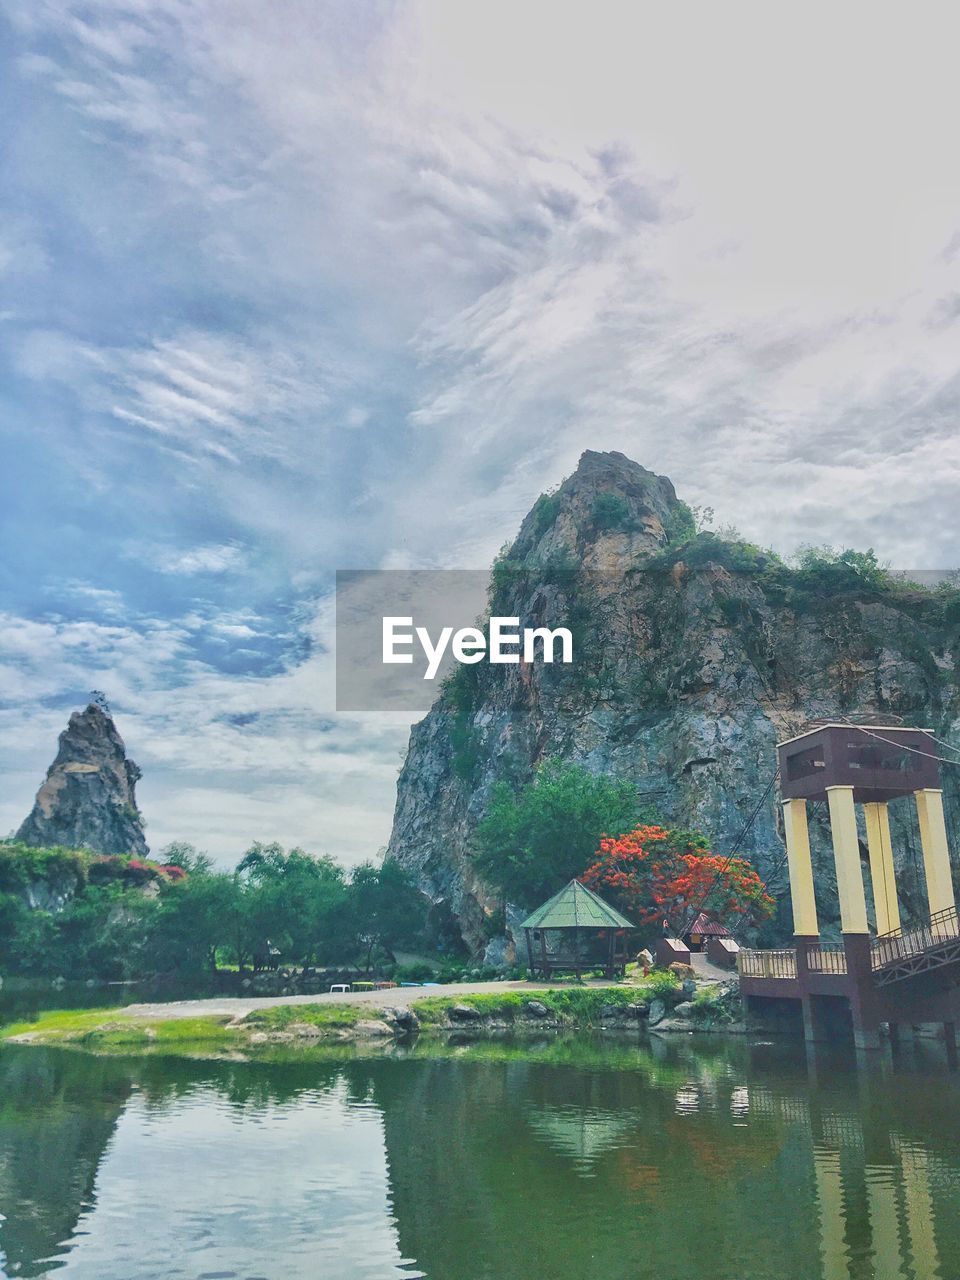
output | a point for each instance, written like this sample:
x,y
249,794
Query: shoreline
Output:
x,y
478,1009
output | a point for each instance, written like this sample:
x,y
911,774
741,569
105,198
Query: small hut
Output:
x,y
706,935
577,930
703,928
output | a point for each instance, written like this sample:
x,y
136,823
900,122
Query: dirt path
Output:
x,y
396,997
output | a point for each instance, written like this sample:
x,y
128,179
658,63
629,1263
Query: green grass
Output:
x,y
333,1016
112,1027
573,1006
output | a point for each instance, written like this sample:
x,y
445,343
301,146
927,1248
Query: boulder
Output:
x,y
402,1019
536,1009
464,1013
657,1013
306,1030
674,1024
684,1010
682,971
370,1028
645,959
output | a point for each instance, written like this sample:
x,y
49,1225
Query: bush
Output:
x,y
610,512
661,984
414,973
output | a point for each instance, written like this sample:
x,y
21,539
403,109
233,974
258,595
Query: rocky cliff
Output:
x,y
87,799
694,655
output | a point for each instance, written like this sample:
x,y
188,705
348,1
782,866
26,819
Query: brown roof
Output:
x,y
707,927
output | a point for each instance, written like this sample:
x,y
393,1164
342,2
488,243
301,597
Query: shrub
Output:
x,y
417,972
661,984
609,512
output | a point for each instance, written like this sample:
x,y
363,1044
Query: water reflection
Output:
x,y
726,1162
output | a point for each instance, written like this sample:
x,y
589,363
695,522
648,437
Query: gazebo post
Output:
x,y
543,952
610,951
529,951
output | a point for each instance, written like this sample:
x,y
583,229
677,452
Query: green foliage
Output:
x,y
415,972
531,842
127,920
710,1006
385,908
661,984
190,859
609,512
823,572
544,512
680,525
461,690
21,864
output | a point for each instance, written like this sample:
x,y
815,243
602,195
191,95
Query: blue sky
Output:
x,y
287,289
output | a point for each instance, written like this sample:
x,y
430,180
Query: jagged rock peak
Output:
x,y
87,799
610,509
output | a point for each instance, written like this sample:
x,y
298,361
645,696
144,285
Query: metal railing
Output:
x,y
826,958
888,948
767,964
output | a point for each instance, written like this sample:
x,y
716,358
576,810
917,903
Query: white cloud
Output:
x,y
215,558
722,239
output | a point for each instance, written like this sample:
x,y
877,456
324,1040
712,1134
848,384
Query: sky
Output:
x,y
325,284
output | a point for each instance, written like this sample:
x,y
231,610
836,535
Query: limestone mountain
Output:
x,y
694,654
87,799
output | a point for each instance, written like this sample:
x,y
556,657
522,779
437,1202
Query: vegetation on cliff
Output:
x,y
695,652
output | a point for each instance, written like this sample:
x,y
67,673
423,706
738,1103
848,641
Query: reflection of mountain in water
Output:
x,y
735,1161
57,1115
662,1162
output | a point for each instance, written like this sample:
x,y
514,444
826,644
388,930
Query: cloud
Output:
x,y
209,559
350,291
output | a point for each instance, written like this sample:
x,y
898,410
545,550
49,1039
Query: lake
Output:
x,y
571,1158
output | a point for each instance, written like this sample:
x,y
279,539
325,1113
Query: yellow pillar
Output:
x,y
936,854
882,874
830,1202
846,855
801,868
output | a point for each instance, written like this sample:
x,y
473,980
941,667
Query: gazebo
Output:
x,y
576,930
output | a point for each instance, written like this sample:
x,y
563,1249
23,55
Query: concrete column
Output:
x,y
882,874
936,854
846,855
800,867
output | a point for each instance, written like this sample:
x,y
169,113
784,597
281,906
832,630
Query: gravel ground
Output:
x,y
396,997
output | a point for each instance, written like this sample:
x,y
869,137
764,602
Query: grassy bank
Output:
x,y
573,1008
114,1028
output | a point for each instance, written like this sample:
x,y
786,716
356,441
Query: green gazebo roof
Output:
x,y
576,907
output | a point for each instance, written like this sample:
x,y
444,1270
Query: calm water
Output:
x,y
569,1160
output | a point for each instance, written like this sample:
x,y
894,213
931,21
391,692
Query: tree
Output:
x,y
653,874
531,842
178,853
198,916
386,907
296,901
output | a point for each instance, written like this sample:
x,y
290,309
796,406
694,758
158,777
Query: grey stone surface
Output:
x,y
688,673
658,1011
88,798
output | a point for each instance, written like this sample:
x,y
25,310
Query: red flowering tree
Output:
x,y
653,874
